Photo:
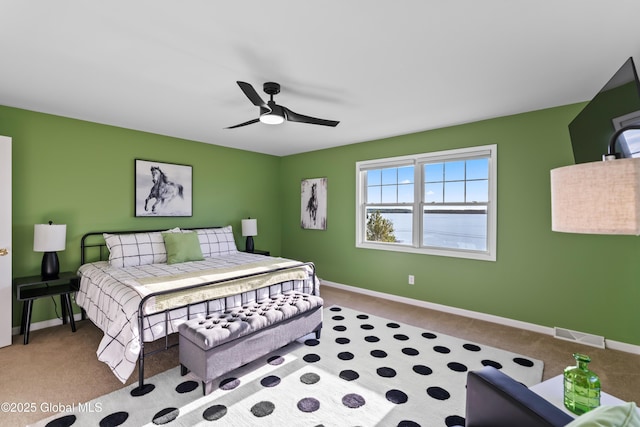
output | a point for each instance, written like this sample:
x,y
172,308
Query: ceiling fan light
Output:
x,y
271,119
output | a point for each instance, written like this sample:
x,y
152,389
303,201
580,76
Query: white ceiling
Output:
x,y
383,68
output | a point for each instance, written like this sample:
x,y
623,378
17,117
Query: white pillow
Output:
x,y
216,241
134,249
623,415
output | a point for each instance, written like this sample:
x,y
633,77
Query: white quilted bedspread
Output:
x,y
111,296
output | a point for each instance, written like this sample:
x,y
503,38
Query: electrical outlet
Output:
x,y
412,279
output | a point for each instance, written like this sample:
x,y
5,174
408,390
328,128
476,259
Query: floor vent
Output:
x,y
579,337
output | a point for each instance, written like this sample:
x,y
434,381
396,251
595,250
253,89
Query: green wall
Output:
x,y
81,174
587,283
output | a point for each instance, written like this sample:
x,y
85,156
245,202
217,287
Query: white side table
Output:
x,y
553,391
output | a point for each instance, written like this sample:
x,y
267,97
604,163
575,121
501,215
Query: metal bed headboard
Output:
x,y
95,239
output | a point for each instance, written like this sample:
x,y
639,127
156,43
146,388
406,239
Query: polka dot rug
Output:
x,y
364,371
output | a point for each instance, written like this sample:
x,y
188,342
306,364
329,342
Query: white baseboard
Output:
x,y
614,345
44,324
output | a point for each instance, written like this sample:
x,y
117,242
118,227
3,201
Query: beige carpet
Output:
x,y
60,366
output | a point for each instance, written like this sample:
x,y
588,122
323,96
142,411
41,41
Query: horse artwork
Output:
x,y
314,204
162,189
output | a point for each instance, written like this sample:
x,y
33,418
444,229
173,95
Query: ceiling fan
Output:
x,y
272,113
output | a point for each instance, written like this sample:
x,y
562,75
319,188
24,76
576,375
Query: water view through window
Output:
x,y
448,230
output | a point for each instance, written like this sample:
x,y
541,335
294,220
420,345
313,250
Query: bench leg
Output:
x,y
183,370
207,387
318,334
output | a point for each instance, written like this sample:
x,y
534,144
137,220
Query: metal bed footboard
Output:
x,y
145,388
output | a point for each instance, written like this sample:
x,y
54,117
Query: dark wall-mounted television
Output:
x,y
617,105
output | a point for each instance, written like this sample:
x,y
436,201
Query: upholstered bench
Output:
x,y
214,345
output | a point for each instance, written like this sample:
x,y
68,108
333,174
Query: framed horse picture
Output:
x,y
163,189
313,210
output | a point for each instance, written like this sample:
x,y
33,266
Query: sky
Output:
x,y
463,181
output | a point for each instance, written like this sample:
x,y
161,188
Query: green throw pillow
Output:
x,y
182,247
623,415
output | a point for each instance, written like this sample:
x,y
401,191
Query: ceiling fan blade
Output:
x,y
295,117
244,124
253,95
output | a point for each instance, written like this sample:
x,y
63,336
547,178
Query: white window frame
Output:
x,y
417,160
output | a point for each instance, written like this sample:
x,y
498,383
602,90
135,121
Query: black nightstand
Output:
x,y
31,288
259,252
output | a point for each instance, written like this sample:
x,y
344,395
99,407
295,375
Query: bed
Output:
x,y
154,280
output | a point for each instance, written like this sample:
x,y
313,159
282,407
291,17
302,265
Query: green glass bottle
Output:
x,y
581,386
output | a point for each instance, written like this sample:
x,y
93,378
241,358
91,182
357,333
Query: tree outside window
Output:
x,y
379,228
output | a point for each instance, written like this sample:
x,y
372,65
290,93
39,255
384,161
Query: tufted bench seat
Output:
x,y
216,344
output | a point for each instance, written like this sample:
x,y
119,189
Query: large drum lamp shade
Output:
x,y
597,198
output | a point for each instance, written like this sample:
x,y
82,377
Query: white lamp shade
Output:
x,y
597,198
249,227
49,237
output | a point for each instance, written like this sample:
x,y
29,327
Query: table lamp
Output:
x,y
49,238
249,229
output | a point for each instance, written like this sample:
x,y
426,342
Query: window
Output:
x,y
629,141
441,203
